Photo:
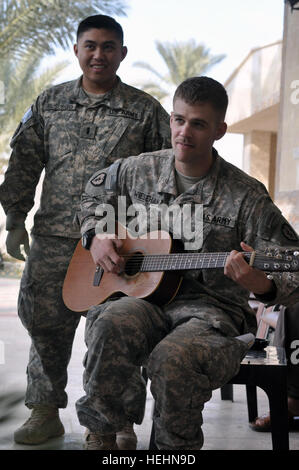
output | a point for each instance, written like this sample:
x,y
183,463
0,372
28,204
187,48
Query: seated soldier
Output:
x,y
190,345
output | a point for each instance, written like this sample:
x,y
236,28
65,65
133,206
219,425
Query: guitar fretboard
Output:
x,y
180,261
185,261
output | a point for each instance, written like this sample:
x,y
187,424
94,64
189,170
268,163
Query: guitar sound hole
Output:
x,y
133,265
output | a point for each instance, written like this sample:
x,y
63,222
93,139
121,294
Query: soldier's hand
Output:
x,y
104,252
15,239
237,269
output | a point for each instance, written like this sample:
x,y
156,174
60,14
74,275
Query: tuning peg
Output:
x,y
296,253
270,277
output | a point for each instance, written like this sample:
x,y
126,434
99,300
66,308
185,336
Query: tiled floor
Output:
x,y
225,423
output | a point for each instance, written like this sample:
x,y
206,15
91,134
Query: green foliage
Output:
x,y
22,84
43,25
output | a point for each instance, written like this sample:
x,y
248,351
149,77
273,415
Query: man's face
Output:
x,y
100,53
194,128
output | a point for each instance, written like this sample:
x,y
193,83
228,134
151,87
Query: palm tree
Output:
x,y
42,25
183,60
22,84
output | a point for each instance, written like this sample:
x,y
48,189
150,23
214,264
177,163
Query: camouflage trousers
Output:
x,y
185,360
50,324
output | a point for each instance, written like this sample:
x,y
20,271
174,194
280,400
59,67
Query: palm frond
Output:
x,y
149,68
154,89
22,85
45,25
182,60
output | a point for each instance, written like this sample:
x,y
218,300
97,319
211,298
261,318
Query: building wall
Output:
x,y
259,155
287,164
254,94
254,88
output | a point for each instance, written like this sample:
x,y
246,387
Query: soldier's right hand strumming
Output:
x,y
104,252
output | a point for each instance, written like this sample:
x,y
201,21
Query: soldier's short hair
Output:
x,y
203,90
99,22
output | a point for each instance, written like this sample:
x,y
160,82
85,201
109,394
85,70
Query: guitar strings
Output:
x,y
191,255
194,255
197,259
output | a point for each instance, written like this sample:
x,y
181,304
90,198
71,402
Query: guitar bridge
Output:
x,y
98,276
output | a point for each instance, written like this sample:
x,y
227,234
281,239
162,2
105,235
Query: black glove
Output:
x,y
17,235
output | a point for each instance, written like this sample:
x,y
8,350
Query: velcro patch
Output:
x,y
60,107
124,113
88,130
146,198
99,179
219,220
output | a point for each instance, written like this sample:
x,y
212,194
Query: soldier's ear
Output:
x,y
221,130
124,52
76,50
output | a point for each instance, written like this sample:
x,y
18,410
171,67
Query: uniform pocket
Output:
x,y
112,140
59,142
60,137
26,304
76,222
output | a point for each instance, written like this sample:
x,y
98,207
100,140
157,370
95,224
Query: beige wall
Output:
x,y
253,91
287,175
259,155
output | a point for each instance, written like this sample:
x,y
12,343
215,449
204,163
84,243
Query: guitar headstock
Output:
x,y
277,261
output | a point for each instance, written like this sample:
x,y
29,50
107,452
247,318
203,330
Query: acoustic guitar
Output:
x,y
152,270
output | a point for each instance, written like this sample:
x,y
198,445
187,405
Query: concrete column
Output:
x,y
259,156
287,178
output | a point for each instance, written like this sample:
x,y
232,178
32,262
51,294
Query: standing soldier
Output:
x,y
71,130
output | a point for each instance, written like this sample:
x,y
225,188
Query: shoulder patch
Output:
x,y
289,232
22,126
27,116
112,175
99,179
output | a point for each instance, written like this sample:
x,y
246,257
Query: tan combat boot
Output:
x,y
98,441
126,438
43,424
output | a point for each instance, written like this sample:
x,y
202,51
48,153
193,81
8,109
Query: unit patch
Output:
x,y
289,232
98,180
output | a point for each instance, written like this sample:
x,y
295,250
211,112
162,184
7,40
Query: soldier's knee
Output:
x,y
168,359
110,319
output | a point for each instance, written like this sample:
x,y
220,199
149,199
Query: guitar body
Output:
x,y
79,293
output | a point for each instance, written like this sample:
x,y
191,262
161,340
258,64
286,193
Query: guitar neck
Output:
x,y
184,261
189,261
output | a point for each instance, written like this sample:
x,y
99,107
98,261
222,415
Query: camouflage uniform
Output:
x,y
70,137
189,345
